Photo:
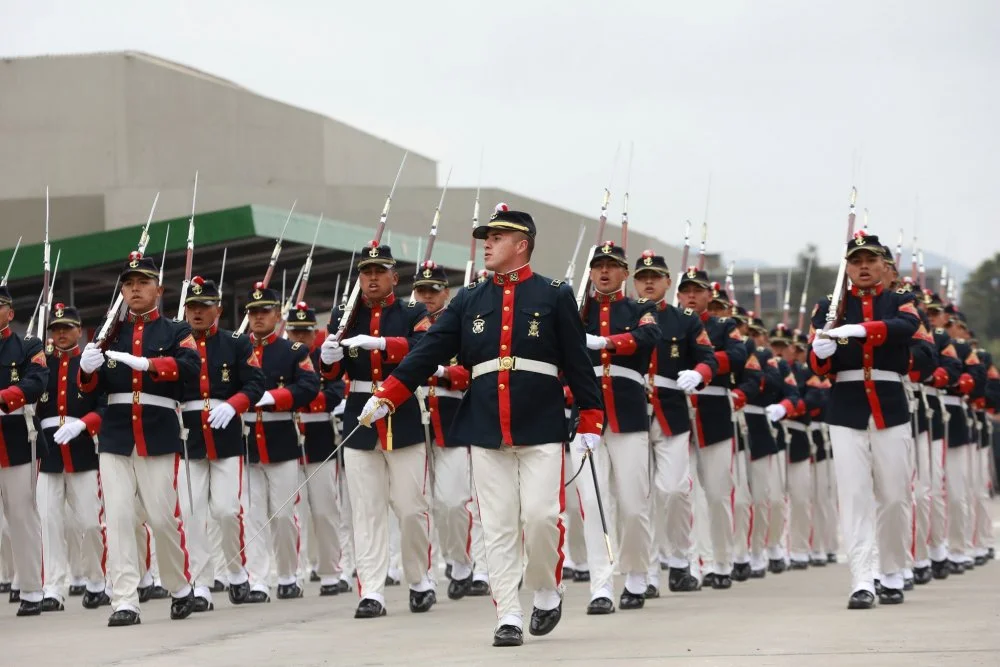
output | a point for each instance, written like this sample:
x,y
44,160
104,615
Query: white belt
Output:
x,y
142,398
514,364
665,382
362,387
860,374
309,417
442,392
931,391
199,405
251,417
619,372
795,426
952,400
816,426
53,422
713,391
754,410
19,411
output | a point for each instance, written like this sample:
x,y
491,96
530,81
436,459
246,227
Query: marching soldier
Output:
x,y
316,428
516,332
682,360
984,403
141,374
290,382
229,382
387,466
69,494
869,420
23,379
824,497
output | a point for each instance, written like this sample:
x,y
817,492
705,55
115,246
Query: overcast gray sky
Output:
x,y
784,102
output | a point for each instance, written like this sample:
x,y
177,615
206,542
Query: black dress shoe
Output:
x,y
95,600
238,593
329,589
878,587
908,584
990,554
568,573
144,592
218,586
581,575
708,579
29,608
421,601
600,607
980,561
202,604
680,580
181,608
799,565
14,597
344,586
389,581
257,597
479,589
953,568
651,592
817,562
52,604
4,587
544,621
313,577
890,596
630,600
508,635
940,569
776,565
159,593
459,588
758,574
722,582
123,617
741,571
969,566
922,575
861,600
831,558
447,571
77,590
289,591
369,608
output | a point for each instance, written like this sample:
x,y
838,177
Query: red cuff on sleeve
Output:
x,y
913,375
568,396
706,372
723,360
940,378
965,384
459,377
624,343
815,412
591,421
396,348
13,397
329,372
819,367
282,399
789,407
240,402
739,399
318,404
800,407
92,420
394,391
877,332
163,369
86,383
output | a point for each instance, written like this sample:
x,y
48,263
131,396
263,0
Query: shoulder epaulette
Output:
x,y
641,299
902,290
411,304
556,283
471,285
296,346
829,297
341,307
722,319
939,330
689,311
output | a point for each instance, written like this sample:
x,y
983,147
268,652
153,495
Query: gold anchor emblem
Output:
x,y
692,272
300,314
44,398
478,325
257,295
134,264
860,240
606,248
196,289
428,273
373,252
648,261
59,312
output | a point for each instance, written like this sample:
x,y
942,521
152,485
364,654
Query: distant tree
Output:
x,y
981,299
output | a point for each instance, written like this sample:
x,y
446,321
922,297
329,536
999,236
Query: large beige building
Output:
x,y
107,132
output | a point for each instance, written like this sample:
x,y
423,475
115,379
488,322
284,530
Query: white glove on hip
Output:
x,y
824,347
848,331
91,358
266,400
364,342
68,431
221,415
689,380
596,342
585,442
330,352
374,410
776,412
130,360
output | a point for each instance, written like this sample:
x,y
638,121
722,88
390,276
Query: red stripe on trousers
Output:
x,y
560,524
180,521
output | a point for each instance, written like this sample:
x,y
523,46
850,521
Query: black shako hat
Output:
x,y
138,264
262,297
373,253
862,242
63,314
781,334
203,291
608,250
696,276
5,298
429,274
719,295
301,317
650,261
504,219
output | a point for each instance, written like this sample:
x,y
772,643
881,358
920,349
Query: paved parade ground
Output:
x,y
793,619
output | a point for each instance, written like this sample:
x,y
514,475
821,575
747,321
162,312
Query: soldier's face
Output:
x,y
651,285
304,336
263,320
6,315
695,297
201,316
865,269
501,249
65,336
937,317
377,281
140,292
759,338
716,309
434,300
607,275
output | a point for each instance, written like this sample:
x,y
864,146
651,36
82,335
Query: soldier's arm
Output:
x,y
819,366
250,376
92,420
923,355
815,395
396,347
645,331
576,366
733,357
700,350
899,327
304,385
183,364
458,376
34,378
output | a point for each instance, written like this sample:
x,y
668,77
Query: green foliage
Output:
x,y
981,301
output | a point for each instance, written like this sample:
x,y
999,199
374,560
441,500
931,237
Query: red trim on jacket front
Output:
x,y
876,337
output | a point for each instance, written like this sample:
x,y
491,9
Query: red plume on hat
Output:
x,y
610,244
860,234
302,305
60,306
429,264
259,284
373,243
716,286
648,253
135,254
198,280
502,208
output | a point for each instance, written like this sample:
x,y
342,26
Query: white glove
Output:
x,y
776,412
824,347
221,415
330,352
364,342
585,442
374,410
91,358
130,360
689,380
68,431
596,342
266,400
848,331
439,373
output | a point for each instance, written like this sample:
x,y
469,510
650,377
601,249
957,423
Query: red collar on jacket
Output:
x,y
866,291
211,331
5,333
266,340
148,316
387,301
603,298
515,276
71,352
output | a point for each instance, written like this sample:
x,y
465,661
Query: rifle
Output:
x,y
571,267
163,260
10,265
914,270
44,298
756,294
786,306
701,248
899,251
46,257
299,289
684,257
343,296
921,271
470,266
730,285
583,292
270,268
628,185
838,302
433,233
189,260
805,293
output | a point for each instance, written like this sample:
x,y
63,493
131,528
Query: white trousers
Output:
x,y
521,501
800,492
453,508
672,487
959,510
217,489
271,484
24,529
714,465
873,483
380,480
576,544
824,539
983,538
136,488
71,500
324,518
752,509
345,526
929,507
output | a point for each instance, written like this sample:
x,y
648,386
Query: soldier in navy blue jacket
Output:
x,y
23,377
683,356
867,354
516,332
290,382
984,403
392,456
68,486
229,382
148,361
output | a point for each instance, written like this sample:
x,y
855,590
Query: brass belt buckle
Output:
x,y
430,390
208,404
607,371
374,386
868,374
62,420
506,363
135,397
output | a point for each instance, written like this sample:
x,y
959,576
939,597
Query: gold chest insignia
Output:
x,y
533,329
352,352
14,376
675,352
428,273
478,325
257,294
225,374
112,363
196,289
44,398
